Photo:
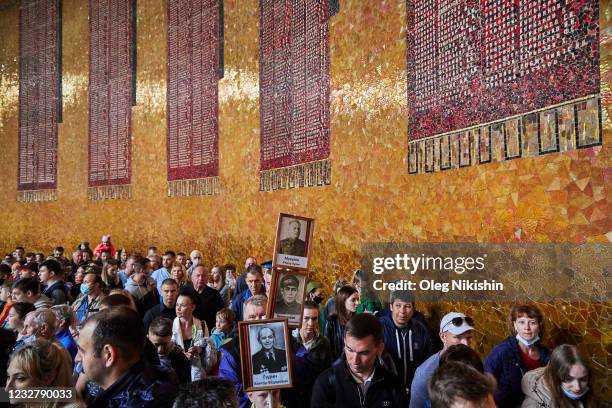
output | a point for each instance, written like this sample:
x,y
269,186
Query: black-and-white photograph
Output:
x,y
266,343
286,298
293,241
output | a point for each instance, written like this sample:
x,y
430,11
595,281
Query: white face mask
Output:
x,y
573,396
195,262
528,342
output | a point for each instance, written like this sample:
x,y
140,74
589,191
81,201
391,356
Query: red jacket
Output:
x,y
101,247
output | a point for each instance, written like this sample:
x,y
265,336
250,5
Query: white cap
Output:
x,y
447,324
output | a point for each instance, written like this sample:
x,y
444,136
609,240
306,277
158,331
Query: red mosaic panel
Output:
x,y
39,93
294,82
111,90
192,95
474,61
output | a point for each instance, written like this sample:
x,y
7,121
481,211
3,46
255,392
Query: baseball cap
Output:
x,y
312,285
456,323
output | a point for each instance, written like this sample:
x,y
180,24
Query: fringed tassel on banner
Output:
x,y
576,124
36,196
118,192
311,174
193,187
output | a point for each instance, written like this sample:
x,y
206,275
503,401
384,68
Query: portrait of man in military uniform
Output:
x,y
287,301
293,245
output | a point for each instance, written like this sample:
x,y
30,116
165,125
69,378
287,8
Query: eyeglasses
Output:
x,y
458,321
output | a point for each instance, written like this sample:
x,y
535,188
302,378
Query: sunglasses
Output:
x,y
458,322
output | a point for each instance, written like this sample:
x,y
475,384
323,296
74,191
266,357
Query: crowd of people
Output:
x,y
155,330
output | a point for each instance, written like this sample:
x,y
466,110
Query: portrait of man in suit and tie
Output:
x,y
269,359
266,346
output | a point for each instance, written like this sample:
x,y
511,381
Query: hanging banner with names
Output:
x,y
294,93
112,93
40,98
195,65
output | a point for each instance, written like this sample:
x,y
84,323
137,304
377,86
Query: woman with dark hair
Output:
x,y
110,275
16,320
77,279
522,352
563,383
347,300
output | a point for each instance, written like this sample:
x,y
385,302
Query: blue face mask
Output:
x,y
573,396
84,289
528,342
28,340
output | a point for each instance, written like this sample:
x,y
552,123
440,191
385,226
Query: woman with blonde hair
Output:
x,y
563,383
39,364
179,274
217,282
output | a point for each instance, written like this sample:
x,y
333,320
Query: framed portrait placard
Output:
x,y
265,348
292,245
286,297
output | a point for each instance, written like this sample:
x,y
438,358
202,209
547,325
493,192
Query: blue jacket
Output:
x,y
307,365
65,337
230,369
238,302
409,347
506,364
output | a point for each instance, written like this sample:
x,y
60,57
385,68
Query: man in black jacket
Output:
x,y
311,356
167,308
357,379
170,355
111,343
209,300
51,274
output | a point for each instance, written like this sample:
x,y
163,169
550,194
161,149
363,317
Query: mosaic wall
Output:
x,y
562,196
40,98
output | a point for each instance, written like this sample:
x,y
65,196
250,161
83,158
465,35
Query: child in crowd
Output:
x,y
224,324
262,399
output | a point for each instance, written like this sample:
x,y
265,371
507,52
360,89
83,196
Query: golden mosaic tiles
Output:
x,y
560,197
